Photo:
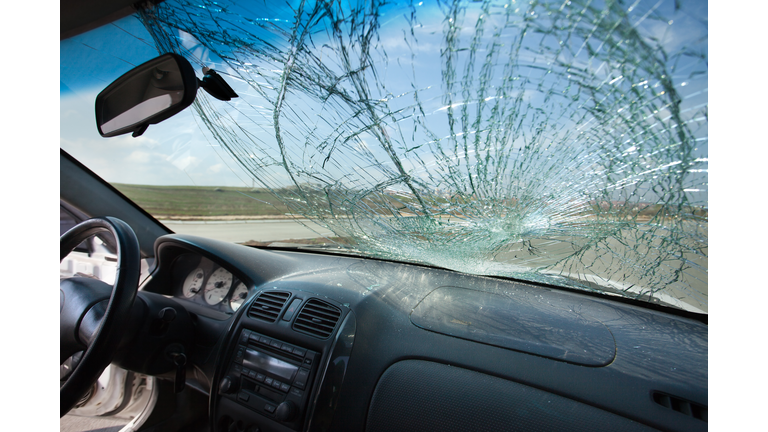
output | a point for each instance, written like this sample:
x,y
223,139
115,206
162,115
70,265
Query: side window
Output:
x,y
94,257
66,220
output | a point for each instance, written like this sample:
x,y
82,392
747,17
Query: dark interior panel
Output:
x,y
407,347
427,396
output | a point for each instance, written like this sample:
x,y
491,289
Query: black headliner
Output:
x,y
79,16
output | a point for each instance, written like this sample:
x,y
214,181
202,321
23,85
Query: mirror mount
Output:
x,y
215,85
140,131
152,92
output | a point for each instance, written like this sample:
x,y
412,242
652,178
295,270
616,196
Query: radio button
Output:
x,y
252,374
265,340
244,336
268,381
287,348
299,351
296,392
307,361
260,377
301,378
243,396
284,387
276,384
276,344
269,408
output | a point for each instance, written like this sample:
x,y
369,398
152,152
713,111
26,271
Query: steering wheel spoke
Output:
x,y
78,296
89,326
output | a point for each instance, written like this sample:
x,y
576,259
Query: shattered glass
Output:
x,y
561,142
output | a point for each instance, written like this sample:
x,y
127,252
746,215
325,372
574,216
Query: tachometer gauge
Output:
x,y
193,283
218,286
238,296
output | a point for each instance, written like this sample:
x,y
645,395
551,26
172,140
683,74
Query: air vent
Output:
x,y
681,405
317,319
268,305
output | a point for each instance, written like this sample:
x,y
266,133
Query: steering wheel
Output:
x,y
91,311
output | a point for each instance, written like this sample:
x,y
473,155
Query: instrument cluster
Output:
x,y
200,280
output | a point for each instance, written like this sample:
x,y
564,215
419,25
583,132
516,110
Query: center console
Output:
x,y
283,365
271,377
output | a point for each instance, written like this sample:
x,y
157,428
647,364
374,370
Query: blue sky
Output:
x,y
181,151
174,152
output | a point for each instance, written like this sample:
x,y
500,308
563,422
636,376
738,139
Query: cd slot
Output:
x,y
248,385
260,361
261,390
276,352
270,394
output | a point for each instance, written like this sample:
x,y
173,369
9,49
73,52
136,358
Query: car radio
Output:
x,y
271,377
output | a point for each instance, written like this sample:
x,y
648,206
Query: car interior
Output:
x,y
314,340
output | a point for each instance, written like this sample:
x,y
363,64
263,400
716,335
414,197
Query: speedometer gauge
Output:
x,y
193,283
218,286
238,296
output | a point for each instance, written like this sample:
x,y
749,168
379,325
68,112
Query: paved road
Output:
x,y
242,231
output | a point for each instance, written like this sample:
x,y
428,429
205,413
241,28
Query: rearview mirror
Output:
x,y
148,94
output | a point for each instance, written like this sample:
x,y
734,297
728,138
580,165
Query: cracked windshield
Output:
x,y
557,142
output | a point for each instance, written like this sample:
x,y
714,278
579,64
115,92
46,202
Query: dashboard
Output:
x,y
291,341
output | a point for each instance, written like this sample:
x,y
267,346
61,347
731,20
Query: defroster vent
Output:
x,y
681,405
268,305
317,319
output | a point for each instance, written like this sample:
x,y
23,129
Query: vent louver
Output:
x,y
268,305
681,405
317,319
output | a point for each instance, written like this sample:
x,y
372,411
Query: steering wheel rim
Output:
x,y
79,306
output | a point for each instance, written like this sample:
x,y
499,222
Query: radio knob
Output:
x,y
227,385
286,411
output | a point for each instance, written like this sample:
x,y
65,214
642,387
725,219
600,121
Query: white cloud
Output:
x,y
139,156
183,160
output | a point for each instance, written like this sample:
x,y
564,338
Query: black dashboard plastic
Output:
x,y
627,353
471,401
521,320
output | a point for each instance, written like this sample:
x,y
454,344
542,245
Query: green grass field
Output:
x,y
182,201
168,202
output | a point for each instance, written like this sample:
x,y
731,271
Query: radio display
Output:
x,y
256,360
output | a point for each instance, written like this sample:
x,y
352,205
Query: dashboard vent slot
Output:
x,y
268,305
681,405
317,319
